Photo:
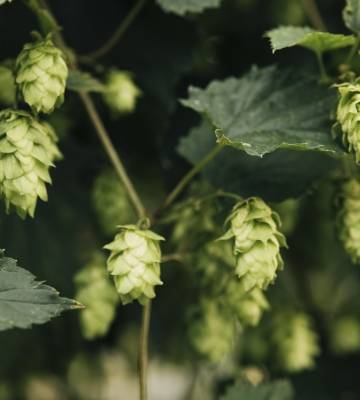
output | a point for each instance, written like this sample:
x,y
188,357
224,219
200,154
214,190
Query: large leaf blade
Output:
x,y
351,15
268,109
25,301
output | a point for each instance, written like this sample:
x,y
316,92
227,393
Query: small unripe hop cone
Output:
x,y
348,218
27,151
254,228
134,263
41,75
348,117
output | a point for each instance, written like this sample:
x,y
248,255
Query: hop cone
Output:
x,y
257,242
348,116
7,86
294,341
111,202
98,295
27,150
247,306
41,75
211,330
134,263
121,93
348,218
345,335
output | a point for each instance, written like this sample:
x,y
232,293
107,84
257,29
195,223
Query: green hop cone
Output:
x,y
254,228
7,86
111,202
211,330
247,306
41,75
98,295
345,335
134,263
294,341
27,151
120,92
348,116
348,218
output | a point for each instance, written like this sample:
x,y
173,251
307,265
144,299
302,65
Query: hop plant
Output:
x,y
257,241
98,295
211,330
348,116
7,86
294,342
345,335
27,150
134,263
348,218
121,93
41,75
111,202
247,306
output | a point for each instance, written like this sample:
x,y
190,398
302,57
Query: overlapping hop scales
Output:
x,y
212,330
98,295
120,92
41,75
134,263
257,241
294,341
348,116
348,218
27,151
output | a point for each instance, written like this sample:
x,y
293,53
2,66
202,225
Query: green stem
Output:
x,y
117,35
190,175
314,15
144,351
324,77
353,50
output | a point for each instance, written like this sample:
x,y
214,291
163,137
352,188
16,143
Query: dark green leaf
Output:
x,y
319,42
268,109
182,7
352,15
280,390
24,301
275,177
83,81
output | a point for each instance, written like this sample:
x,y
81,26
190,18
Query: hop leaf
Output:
x,y
120,92
257,242
135,263
41,74
348,117
294,341
348,218
7,86
111,202
27,150
211,330
98,295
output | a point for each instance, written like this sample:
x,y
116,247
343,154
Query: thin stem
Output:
x,y
353,50
324,77
314,15
190,175
144,352
117,35
112,154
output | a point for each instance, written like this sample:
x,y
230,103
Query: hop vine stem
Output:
x,y
314,14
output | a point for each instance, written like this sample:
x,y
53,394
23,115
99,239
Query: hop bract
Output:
x,y
98,295
134,263
294,341
257,241
121,93
348,218
27,150
348,116
41,74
